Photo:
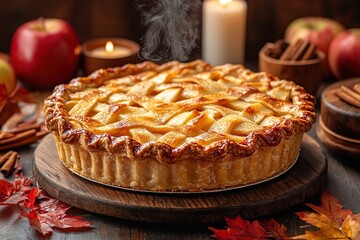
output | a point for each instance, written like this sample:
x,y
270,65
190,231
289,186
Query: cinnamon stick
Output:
x,y
291,49
23,142
8,166
350,92
309,52
5,157
300,51
32,139
343,95
22,127
18,137
4,135
356,88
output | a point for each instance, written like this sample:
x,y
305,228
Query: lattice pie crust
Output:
x,y
178,126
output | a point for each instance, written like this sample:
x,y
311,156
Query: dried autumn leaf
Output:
x,y
31,197
36,223
22,184
54,206
17,95
50,214
20,94
331,207
239,228
328,227
351,226
274,229
6,189
331,219
44,216
16,193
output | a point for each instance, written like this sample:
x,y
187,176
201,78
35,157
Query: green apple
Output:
x,y
7,76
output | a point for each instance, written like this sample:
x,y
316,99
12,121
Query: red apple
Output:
x,y
45,53
344,54
317,30
7,76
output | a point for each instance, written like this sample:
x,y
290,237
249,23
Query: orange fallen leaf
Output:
x,y
331,219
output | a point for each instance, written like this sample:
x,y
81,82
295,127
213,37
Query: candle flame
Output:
x,y
109,47
225,2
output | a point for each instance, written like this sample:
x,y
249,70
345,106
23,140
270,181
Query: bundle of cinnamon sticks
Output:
x,y
351,96
7,162
23,134
20,136
300,50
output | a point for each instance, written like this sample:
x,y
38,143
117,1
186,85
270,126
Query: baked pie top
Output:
x,y
178,111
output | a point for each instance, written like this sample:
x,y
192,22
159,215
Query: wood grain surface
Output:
x,y
303,180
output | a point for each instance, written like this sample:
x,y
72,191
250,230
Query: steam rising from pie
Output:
x,y
171,28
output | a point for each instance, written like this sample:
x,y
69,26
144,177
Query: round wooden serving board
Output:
x,y
303,180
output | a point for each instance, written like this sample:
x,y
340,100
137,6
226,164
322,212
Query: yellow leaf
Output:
x,y
331,207
332,221
328,228
351,227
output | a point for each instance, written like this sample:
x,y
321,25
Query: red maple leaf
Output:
x,y
52,213
6,189
43,212
239,228
23,184
18,94
31,198
274,229
16,193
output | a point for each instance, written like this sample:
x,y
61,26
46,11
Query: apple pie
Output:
x,y
178,126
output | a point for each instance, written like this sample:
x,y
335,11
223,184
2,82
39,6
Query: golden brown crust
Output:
x,y
297,121
181,176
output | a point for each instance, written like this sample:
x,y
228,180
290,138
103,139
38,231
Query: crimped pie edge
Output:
x,y
181,176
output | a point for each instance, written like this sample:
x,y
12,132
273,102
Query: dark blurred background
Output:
x,y
267,19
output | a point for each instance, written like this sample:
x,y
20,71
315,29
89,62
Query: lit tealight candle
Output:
x,y
108,52
224,29
111,51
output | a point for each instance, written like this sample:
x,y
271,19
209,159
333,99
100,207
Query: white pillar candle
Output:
x,y
224,31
